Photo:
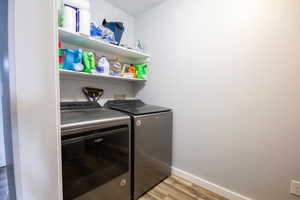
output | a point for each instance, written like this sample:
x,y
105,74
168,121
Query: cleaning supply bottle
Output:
x,y
103,66
92,61
72,60
60,56
141,71
132,71
86,62
88,59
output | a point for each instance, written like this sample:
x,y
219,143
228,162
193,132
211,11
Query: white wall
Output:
x,y
36,100
71,88
230,70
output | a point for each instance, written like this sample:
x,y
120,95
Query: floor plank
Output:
x,y
175,188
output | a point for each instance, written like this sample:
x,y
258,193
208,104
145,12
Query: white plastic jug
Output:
x,y
103,66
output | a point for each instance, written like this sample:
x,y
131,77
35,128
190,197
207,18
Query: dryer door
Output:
x,y
96,165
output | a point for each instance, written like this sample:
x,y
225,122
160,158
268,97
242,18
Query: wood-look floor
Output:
x,y
175,188
3,184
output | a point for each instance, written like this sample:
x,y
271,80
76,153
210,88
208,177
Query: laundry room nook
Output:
x,y
102,67
150,100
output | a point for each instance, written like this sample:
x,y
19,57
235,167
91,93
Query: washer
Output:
x,y
152,143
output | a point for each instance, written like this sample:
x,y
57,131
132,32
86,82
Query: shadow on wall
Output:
x,y
138,87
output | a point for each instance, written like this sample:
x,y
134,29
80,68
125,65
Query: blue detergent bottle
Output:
x,y
73,60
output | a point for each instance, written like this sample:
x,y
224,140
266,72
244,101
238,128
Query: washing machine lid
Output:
x,y
86,114
135,107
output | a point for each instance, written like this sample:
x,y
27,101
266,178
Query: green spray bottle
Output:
x,y
88,60
92,61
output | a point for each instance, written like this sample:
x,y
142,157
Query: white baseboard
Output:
x,y
209,185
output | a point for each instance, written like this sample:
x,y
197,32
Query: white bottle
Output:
x,y
103,66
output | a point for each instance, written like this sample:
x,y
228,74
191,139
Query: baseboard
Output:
x,y
209,185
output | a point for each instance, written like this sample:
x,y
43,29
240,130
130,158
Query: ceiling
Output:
x,y
135,7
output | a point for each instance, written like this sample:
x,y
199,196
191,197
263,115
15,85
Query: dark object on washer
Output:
x,y
93,94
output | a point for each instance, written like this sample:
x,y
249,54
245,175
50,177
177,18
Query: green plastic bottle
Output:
x,y
141,71
92,61
88,60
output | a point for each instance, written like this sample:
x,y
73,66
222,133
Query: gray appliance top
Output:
x,y
135,107
75,114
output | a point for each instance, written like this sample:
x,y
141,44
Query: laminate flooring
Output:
x,y
175,188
